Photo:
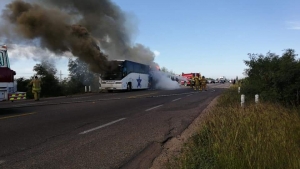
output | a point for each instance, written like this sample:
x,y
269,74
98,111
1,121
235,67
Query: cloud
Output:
x,y
156,53
293,25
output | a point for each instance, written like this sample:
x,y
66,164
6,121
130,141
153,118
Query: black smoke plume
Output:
x,y
92,30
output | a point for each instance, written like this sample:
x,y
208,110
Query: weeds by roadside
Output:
x,y
261,135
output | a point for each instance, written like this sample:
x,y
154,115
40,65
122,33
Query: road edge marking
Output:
x,y
154,107
176,100
104,125
20,115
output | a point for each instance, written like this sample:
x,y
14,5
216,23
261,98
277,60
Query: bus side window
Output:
x,y
139,68
142,69
129,66
1,59
124,71
136,68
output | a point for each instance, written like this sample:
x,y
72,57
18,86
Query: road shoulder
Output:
x,y
173,147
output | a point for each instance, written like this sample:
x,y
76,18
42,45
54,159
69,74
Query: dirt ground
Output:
x,y
173,147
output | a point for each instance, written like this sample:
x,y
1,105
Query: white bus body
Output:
x,y
132,76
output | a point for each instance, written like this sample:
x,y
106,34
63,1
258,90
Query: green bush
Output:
x,y
274,78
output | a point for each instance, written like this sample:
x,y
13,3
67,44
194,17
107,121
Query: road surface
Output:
x,y
103,130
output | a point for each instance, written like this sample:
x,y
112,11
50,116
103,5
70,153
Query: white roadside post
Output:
x,y
90,89
85,89
243,100
256,98
239,90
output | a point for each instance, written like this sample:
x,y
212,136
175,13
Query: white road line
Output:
x,y
29,103
176,100
2,161
154,107
189,95
99,127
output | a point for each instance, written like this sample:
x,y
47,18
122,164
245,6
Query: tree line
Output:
x,y
275,78
79,77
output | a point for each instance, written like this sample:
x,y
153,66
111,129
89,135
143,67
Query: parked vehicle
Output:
x,y
8,86
188,77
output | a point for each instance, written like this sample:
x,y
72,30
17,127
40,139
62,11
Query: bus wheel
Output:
x,y
110,91
129,87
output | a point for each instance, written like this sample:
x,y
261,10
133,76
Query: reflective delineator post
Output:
x,y
242,100
256,98
239,90
90,89
85,89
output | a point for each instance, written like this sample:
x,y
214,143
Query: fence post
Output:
x,y
256,98
242,100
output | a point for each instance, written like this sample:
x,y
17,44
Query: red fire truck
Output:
x,y
8,87
188,77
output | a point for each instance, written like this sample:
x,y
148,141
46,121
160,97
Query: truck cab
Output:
x,y
8,87
6,74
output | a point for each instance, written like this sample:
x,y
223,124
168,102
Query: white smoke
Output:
x,y
163,82
17,51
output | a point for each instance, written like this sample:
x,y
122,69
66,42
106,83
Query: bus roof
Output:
x,y
122,60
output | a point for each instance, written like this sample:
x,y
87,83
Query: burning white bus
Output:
x,y
125,75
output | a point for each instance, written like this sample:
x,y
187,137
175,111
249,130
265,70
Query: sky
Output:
x,y
211,37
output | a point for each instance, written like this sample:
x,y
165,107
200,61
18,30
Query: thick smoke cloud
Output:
x,y
163,82
92,30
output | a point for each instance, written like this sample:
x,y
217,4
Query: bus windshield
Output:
x,y
114,71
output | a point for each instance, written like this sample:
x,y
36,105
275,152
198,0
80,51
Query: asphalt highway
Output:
x,y
102,130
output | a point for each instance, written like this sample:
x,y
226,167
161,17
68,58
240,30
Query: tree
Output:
x,y
50,83
277,79
81,76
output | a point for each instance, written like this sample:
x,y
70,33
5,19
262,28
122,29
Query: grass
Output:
x,y
260,135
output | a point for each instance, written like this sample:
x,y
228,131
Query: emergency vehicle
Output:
x,y
8,86
188,77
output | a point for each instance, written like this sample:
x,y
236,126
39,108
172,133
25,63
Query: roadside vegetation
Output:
x,y
259,135
52,86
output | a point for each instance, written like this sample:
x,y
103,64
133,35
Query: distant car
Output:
x,y
213,81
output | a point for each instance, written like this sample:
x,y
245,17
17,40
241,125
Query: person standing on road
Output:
x,y
192,81
200,85
203,83
36,88
197,82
